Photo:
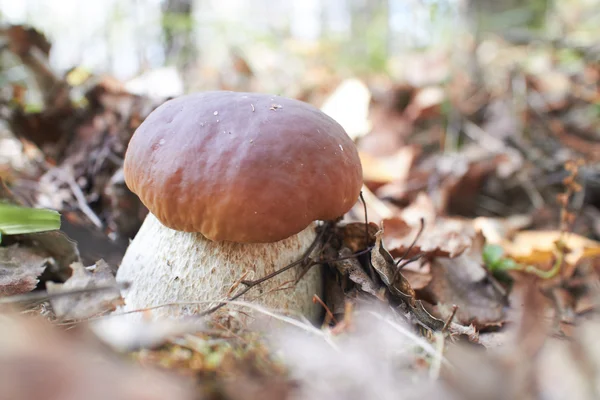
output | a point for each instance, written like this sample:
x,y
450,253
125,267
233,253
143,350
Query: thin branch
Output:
x,y
40,296
418,235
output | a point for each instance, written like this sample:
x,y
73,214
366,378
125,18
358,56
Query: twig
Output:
x,y
317,299
251,284
81,201
450,318
418,235
404,264
44,295
362,199
410,260
371,269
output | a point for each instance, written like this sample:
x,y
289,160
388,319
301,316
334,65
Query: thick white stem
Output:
x,y
166,266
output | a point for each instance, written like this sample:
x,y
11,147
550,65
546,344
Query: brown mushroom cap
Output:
x,y
242,167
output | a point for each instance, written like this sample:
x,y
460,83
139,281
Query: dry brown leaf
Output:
x,y
417,280
81,306
440,237
538,247
463,281
383,169
55,244
357,236
399,287
20,268
443,238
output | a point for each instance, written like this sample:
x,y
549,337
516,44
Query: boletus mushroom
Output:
x,y
235,184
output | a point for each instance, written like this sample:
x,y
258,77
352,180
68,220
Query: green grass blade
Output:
x,y
16,220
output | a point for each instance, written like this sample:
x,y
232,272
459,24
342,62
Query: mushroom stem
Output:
x,y
166,266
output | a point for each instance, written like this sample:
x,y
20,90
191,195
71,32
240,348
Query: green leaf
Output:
x,y
16,220
492,254
507,264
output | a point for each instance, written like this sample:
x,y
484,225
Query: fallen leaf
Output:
x,y
417,279
85,305
463,281
20,268
440,236
357,236
399,287
496,230
539,246
384,264
349,106
57,245
376,210
390,168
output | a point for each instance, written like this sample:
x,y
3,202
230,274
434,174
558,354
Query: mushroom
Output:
x,y
235,184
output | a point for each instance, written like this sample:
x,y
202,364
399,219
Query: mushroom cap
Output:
x,y
242,167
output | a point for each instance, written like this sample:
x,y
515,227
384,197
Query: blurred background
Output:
x,y
287,45
484,98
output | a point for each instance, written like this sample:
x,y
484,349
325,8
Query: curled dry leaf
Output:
x,y
20,268
85,305
399,287
383,263
357,236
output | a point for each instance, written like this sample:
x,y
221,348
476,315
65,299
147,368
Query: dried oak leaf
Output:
x,y
441,237
356,236
85,305
463,281
20,268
